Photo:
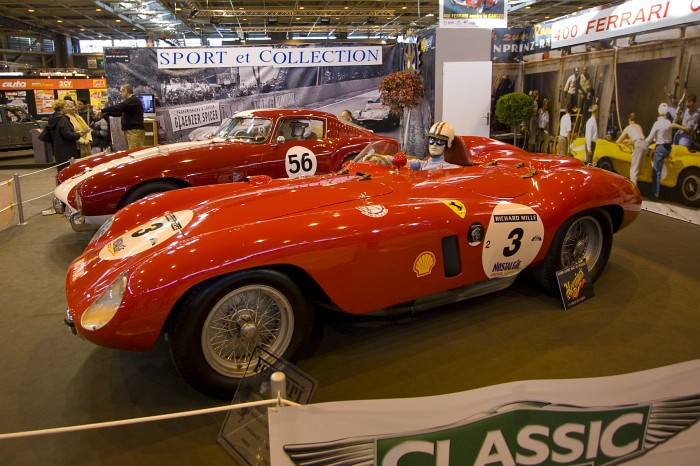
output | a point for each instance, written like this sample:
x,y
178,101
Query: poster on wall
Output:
x,y
473,13
98,98
16,98
196,88
44,100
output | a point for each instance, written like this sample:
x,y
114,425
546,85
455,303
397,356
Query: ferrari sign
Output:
x,y
628,18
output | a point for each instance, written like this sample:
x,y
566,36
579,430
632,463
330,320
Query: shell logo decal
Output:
x,y
424,264
146,236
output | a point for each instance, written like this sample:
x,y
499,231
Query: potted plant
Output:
x,y
513,109
401,92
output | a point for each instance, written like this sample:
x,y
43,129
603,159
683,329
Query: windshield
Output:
x,y
387,147
249,129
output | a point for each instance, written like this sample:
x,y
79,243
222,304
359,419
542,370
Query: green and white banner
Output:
x,y
644,418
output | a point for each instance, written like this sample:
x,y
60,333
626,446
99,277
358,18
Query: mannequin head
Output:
x,y
440,137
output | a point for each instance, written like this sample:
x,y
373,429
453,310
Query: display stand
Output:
x,y
245,433
151,132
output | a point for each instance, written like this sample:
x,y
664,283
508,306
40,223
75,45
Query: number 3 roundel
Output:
x,y
300,161
513,239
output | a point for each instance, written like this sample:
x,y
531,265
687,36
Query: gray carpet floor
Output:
x,y
645,314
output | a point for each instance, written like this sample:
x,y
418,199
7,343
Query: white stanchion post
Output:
x,y
18,197
278,385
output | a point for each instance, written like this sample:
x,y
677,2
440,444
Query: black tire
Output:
x,y
145,189
221,321
689,187
585,236
605,164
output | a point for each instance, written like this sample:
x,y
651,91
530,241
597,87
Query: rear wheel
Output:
x,y
222,321
584,237
689,187
605,164
146,189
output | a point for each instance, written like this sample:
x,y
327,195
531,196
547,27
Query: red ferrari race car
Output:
x,y
277,143
227,268
478,4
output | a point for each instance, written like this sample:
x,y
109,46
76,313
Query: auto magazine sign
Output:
x,y
644,418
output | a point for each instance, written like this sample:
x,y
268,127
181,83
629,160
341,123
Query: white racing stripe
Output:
x,y
61,192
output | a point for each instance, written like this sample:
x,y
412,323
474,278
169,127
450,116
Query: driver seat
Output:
x,y
459,153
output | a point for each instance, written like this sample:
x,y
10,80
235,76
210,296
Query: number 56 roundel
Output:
x,y
513,239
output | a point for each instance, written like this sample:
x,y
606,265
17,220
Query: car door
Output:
x,y
296,155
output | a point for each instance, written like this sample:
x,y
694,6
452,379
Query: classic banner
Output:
x,y
644,418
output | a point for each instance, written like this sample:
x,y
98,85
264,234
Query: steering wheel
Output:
x,y
379,159
241,134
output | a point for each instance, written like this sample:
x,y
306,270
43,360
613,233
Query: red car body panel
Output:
x,y
212,162
369,241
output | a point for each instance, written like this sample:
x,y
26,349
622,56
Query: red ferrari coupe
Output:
x,y
225,269
277,143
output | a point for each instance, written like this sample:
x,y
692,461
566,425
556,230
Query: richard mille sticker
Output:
x,y
374,210
513,239
146,236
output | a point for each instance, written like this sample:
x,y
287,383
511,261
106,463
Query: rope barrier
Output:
x,y
99,425
44,169
11,206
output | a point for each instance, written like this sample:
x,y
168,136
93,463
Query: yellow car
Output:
x,y
681,169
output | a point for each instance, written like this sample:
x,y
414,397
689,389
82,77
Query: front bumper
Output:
x,y
77,221
68,320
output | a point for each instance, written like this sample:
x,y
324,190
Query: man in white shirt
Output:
x,y
662,134
564,131
591,133
634,135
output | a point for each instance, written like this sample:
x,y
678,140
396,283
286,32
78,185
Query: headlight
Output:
x,y
101,311
101,231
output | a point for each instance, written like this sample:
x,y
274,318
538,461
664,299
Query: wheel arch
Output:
x,y
177,181
302,279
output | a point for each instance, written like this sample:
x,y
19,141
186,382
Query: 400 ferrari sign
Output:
x,y
632,419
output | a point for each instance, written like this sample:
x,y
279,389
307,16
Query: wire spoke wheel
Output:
x,y
583,241
250,316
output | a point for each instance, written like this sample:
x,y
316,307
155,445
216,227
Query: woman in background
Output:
x,y
79,125
63,135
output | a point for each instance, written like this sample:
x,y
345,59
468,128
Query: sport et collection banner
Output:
x,y
645,418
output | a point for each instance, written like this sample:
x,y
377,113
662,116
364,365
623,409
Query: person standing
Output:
x,y
634,135
688,123
661,133
84,110
64,137
533,126
131,111
543,128
570,89
79,125
564,131
591,133
100,133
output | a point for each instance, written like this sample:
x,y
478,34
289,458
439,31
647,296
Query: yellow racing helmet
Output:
x,y
443,130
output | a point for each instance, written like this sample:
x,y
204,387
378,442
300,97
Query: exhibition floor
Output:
x,y
645,314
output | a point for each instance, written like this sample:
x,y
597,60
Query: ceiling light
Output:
x,y
59,20
271,20
31,10
98,9
325,20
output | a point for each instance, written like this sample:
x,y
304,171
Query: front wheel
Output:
x,y
586,236
689,187
222,321
146,189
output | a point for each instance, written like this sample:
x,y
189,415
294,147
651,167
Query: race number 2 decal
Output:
x,y
300,161
513,239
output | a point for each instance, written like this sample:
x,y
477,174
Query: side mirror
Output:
x,y
280,140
